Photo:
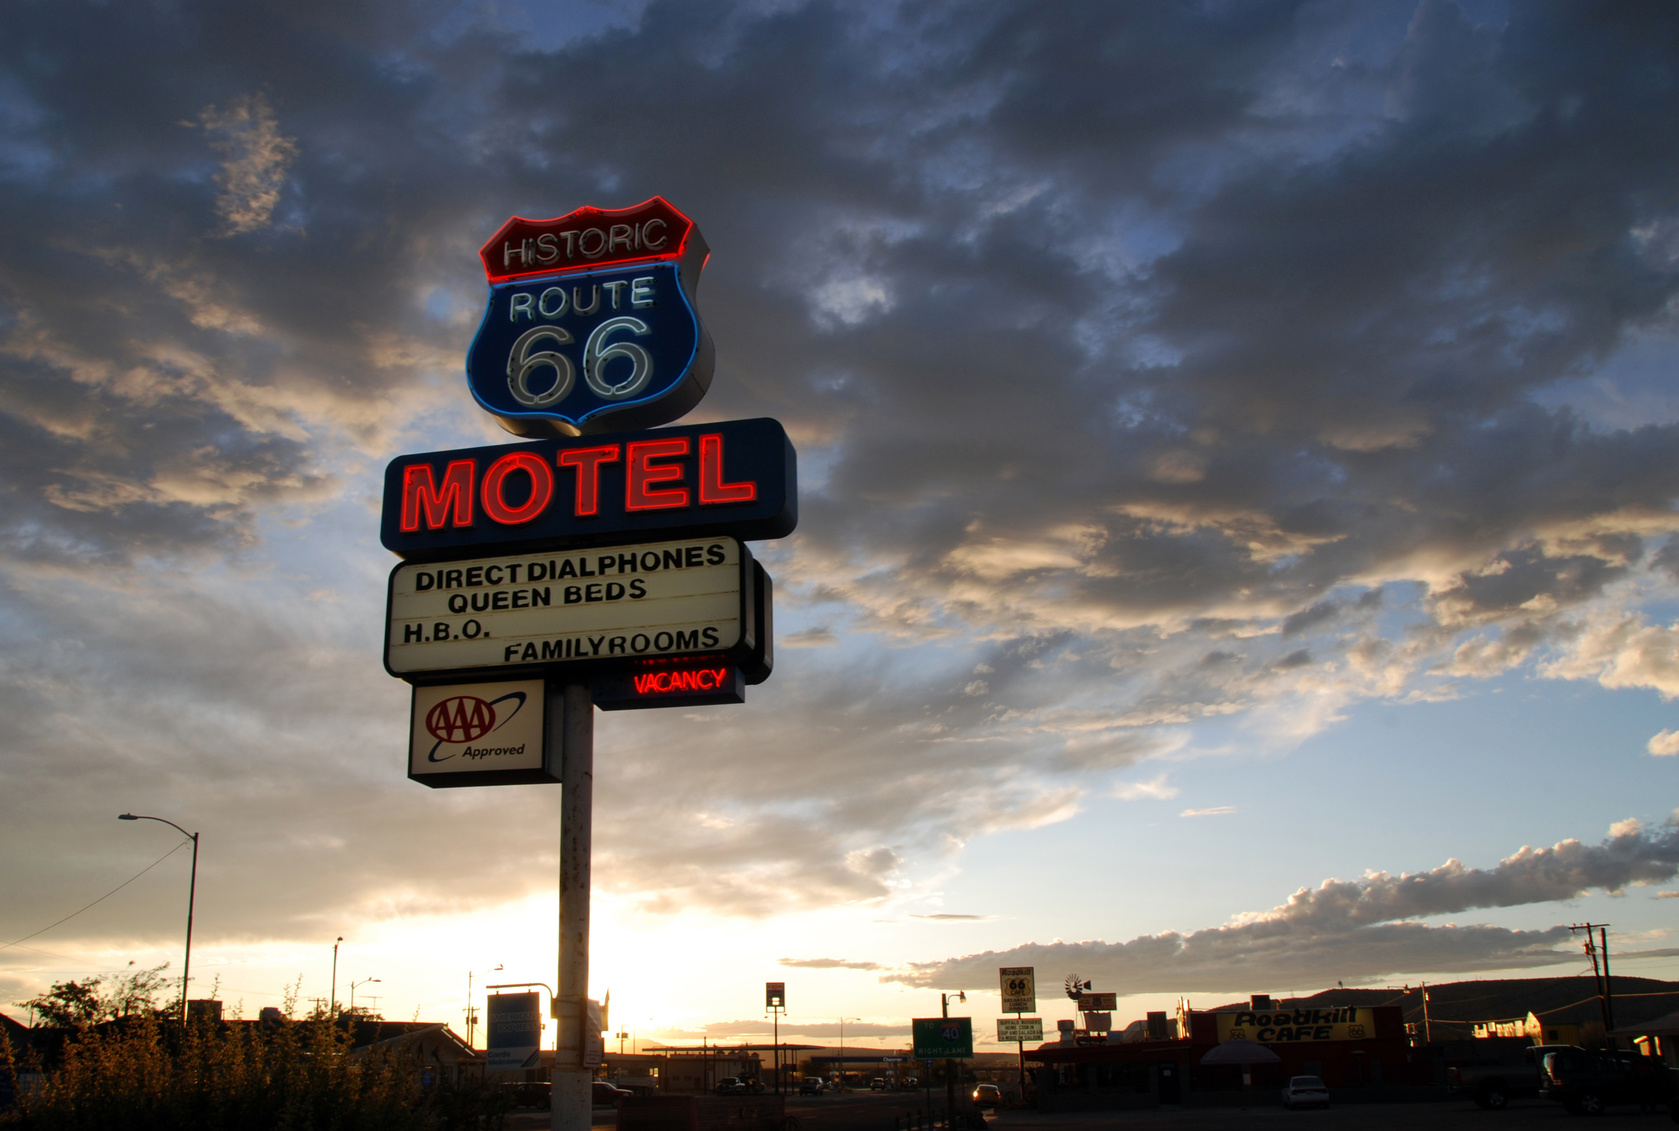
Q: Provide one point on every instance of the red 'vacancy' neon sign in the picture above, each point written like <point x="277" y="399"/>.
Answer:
<point x="666" y="682"/>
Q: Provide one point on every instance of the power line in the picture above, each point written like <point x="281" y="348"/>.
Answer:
<point x="101" y="899"/>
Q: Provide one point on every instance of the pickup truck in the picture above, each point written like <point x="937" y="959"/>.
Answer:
<point x="1492" y="1085"/>
<point x="1585" y="1083"/>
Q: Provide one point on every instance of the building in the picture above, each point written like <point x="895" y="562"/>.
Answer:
<point x="438" y="1053"/>
<point x="1532" y="1028"/>
<point x="1352" y="1048"/>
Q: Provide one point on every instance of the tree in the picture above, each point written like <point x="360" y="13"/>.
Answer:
<point x="72" y="1004"/>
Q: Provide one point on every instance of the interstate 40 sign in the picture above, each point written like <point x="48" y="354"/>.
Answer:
<point x="604" y="550"/>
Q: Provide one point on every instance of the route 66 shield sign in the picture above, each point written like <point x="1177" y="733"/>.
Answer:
<point x="591" y="324"/>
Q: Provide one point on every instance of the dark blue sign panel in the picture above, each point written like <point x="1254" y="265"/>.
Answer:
<point x="591" y="322"/>
<point x="622" y="344"/>
<point x="736" y="477"/>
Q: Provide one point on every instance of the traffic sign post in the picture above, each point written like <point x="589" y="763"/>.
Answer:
<point x="1020" y="995"/>
<point x="583" y="566"/>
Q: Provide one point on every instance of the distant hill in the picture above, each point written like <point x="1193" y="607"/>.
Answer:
<point x="1453" y="1007"/>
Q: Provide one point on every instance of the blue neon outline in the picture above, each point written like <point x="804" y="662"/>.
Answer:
<point x="682" y="374"/>
<point x="431" y="756"/>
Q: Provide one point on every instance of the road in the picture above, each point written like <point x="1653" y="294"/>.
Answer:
<point x="857" y="1111"/>
<point x="881" y="1111"/>
<point x="1453" y="1115"/>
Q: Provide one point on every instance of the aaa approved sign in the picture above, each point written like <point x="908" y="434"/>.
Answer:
<point x="480" y="734"/>
<point x="601" y="607"/>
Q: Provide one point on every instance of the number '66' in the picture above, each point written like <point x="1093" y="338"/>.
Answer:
<point x="525" y="359"/>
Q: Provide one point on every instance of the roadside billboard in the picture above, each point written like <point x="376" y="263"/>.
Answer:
<point x="513" y="1028"/>
<point x="1286" y="1026"/>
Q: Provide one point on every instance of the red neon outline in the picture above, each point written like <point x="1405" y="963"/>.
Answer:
<point x="587" y="461"/>
<point x="642" y="474"/>
<point x="421" y="492"/>
<point x="542" y="488"/>
<point x="713" y="490"/>
<point x="599" y="215"/>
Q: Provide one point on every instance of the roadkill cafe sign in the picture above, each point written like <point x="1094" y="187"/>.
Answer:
<point x="605" y="549"/>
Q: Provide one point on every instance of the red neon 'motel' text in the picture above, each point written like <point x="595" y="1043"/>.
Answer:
<point x="652" y="481"/>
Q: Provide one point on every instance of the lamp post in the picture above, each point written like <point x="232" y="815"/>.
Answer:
<point x="192" y="894"/>
<point x="470" y="1016"/>
<point x="334" y="1003"/>
<point x="950" y="1065"/>
<point x="843" y="1020"/>
<point x="353" y="986"/>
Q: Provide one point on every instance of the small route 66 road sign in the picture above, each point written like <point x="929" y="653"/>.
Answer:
<point x="591" y="324"/>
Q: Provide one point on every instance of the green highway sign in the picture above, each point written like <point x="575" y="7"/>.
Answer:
<point x="943" y="1038"/>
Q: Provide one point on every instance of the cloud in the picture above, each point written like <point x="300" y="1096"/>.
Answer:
<point x="1363" y="929"/>
<point x="255" y="157"/>
<point x="1215" y="811"/>
<point x="1663" y="744"/>
<point x="1118" y="362"/>
<point x="829" y="964"/>
<point x="1155" y="789"/>
<point x="951" y="917"/>
<point x="1622" y="651"/>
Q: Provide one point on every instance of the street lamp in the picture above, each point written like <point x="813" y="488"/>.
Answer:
<point x="470" y="1016"/>
<point x="353" y="986"/>
<point x="192" y="894"/>
<point x="335" y="977"/>
<point x="949" y="1064"/>
<point x="843" y="1020"/>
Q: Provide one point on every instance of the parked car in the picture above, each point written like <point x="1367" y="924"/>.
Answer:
<point x="528" y="1093"/>
<point x="878" y="1084"/>
<point x="1585" y="1083"/>
<point x="1492" y="1085"/>
<point x="812" y="1086"/>
<point x="988" y="1095"/>
<point x="738" y="1086"/>
<point x="603" y="1093"/>
<point x="1305" y="1091"/>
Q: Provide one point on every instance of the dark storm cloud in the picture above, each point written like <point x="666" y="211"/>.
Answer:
<point x="1361" y="929"/>
<point x="1115" y="338"/>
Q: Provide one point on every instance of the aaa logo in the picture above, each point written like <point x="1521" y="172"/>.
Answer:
<point x="591" y="324"/>
<point x="461" y="719"/>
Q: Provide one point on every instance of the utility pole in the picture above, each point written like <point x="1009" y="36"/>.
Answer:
<point x="571" y="722"/>
<point x="1602" y="987"/>
<point x="1608" y="988"/>
<point x="1427" y="1036"/>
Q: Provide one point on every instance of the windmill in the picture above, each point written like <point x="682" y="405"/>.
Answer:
<point x="1075" y="986"/>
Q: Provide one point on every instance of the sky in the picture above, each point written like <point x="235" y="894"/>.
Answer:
<point x="1238" y="447"/>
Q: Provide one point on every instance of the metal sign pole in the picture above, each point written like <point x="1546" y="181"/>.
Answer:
<point x="571" y="725"/>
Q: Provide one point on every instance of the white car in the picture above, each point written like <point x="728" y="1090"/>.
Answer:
<point x="1305" y="1091"/>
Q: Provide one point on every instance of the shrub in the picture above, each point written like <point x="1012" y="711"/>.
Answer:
<point x="140" y="1073"/>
